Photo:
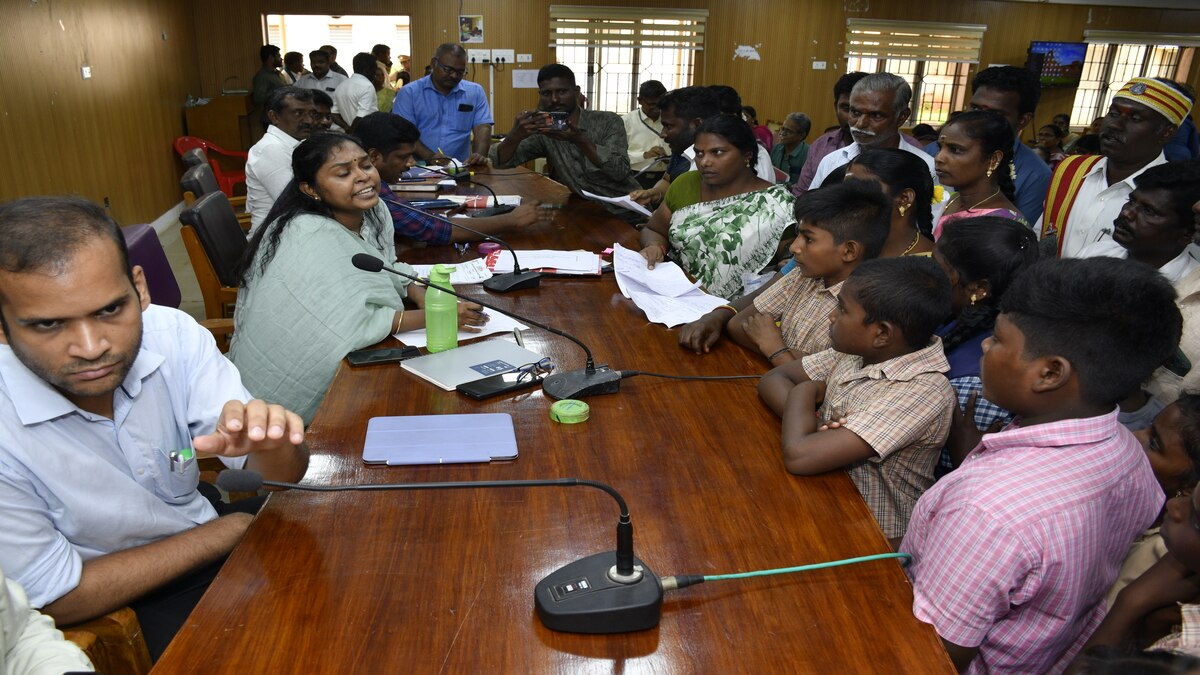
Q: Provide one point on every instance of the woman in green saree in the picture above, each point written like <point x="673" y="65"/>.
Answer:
<point x="720" y="222"/>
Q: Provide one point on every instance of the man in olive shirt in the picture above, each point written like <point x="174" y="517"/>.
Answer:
<point x="591" y="153"/>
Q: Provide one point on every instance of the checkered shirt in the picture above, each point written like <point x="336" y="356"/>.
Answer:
<point x="986" y="412"/>
<point x="802" y="307"/>
<point x="902" y="409"/>
<point x="1186" y="638"/>
<point x="413" y="226"/>
<point x="1014" y="550"/>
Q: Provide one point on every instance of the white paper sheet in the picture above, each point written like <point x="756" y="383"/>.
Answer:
<point x="666" y="278"/>
<point x="623" y="201"/>
<point x="524" y="79"/>
<point x="497" y="323"/>
<point x="469" y="272"/>
<point x="563" y="261"/>
<point x="663" y="293"/>
<point x="675" y="311"/>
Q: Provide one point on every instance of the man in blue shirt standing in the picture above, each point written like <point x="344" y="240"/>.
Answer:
<point x="1014" y="93"/>
<point x="453" y="116"/>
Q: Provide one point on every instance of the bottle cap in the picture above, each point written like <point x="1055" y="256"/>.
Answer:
<point x="486" y="247"/>
<point x="570" y="411"/>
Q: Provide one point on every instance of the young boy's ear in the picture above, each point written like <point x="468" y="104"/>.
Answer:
<point x="884" y="334"/>
<point x="852" y="251"/>
<point x="1053" y="372"/>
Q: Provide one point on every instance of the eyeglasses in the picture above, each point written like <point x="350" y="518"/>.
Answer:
<point x="535" y="371"/>
<point x="449" y="70"/>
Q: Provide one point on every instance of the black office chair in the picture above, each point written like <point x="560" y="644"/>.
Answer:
<point x="195" y="157"/>
<point x="216" y="227"/>
<point x="200" y="180"/>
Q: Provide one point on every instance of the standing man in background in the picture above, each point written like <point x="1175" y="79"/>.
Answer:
<point x="333" y="64"/>
<point x="293" y="67"/>
<point x="267" y="79"/>
<point x="643" y="130"/>
<point x="831" y="140"/>
<point x="356" y="97"/>
<point x="321" y="77"/>
<point x="453" y="116"/>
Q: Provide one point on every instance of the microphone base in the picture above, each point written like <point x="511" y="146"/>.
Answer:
<point x="582" y="598"/>
<point x="503" y="283"/>
<point x="581" y="383"/>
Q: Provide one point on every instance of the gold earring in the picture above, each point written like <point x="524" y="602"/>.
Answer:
<point x="974" y="298"/>
<point x="903" y="209"/>
<point x="990" y="171"/>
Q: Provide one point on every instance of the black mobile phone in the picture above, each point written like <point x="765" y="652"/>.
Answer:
<point x="496" y="385"/>
<point x="558" y="120"/>
<point x="367" y="357"/>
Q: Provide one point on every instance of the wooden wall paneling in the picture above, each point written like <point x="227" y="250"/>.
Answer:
<point x="793" y="34"/>
<point x="790" y="35"/>
<point x="109" y="136"/>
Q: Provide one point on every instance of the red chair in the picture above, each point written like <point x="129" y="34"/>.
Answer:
<point x="226" y="179"/>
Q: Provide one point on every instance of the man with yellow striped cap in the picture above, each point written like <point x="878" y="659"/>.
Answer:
<point x="1087" y="192"/>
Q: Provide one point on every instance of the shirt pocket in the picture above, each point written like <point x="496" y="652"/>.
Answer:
<point x="179" y="478"/>
<point x="462" y="121"/>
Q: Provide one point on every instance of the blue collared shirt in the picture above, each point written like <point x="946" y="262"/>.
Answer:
<point x="445" y="120"/>
<point x="75" y="486"/>
<point x="1033" y="179"/>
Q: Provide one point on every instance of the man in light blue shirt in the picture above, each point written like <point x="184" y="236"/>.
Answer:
<point x="104" y="401"/>
<point x="1014" y="93"/>
<point x="452" y="115"/>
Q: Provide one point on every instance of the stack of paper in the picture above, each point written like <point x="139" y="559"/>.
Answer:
<point x="574" y="263"/>
<point x="469" y="272"/>
<point x="664" y="293"/>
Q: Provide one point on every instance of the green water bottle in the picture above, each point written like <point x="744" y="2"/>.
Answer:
<point x="441" y="312"/>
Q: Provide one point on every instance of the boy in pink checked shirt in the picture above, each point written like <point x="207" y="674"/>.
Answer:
<point x="1013" y="552"/>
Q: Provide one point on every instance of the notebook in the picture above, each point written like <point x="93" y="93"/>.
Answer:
<point x="440" y="439"/>
<point x="471" y="362"/>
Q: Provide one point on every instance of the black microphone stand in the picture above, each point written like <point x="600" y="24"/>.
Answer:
<point x="593" y="380"/>
<point x="515" y="280"/>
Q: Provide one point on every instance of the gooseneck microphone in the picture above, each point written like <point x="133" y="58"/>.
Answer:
<point x="466" y="176"/>
<point x="592" y="380"/>
<point x="611" y="592"/>
<point x="501" y="283"/>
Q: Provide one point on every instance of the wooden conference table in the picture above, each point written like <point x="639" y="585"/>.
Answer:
<point x="442" y="581"/>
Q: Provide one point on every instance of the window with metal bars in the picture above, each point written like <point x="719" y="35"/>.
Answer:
<point x="610" y="76"/>
<point x="613" y="50"/>
<point x="939" y="87"/>
<point x="1107" y="67"/>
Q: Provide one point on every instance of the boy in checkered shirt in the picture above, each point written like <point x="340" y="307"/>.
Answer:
<point x="1013" y="551"/>
<point x="884" y="401"/>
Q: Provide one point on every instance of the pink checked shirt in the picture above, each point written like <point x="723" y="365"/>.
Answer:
<point x="1013" y="551"/>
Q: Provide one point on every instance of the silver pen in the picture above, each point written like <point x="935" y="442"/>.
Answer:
<point x="517" y="337"/>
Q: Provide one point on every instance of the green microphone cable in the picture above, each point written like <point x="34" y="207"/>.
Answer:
<point x="685" y="580"/>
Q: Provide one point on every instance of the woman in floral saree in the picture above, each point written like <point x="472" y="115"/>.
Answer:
<point x="721" y="222"/>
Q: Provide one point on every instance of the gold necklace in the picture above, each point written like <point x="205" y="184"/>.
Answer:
<point x="913" y="245"/>
<point x="958" y="195"/>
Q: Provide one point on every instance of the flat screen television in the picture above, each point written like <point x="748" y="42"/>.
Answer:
<point x="1057" y="64"/>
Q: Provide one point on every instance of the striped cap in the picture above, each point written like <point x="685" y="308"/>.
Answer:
<point x="1170" y="102"/>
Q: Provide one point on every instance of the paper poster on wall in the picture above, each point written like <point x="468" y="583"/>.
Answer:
<point x="470" y="28"/>
<point x="524" y="79"/>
